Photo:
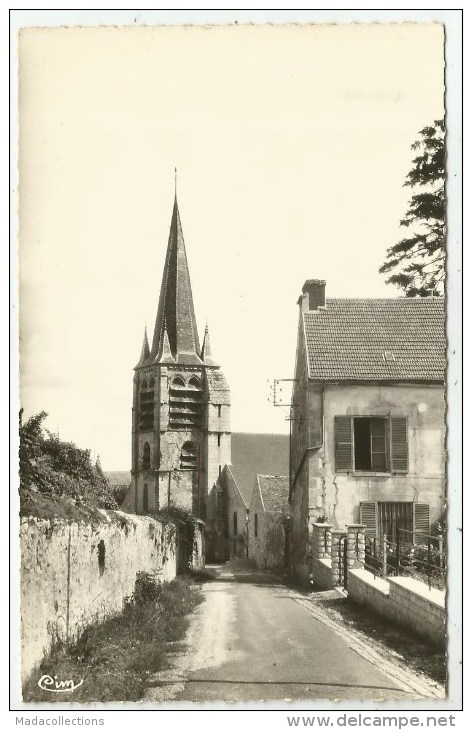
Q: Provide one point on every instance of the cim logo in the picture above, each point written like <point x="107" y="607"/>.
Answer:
<point x="52" y="684"/>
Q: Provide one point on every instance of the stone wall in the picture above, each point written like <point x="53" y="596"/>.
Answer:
<point x="76" y="573"/>
<point x="404" y="600"/>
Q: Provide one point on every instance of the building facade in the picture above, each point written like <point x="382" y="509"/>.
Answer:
<point x="368" y="410"/>
<point x="181" y="436"/>
<point x="269" y="522"/>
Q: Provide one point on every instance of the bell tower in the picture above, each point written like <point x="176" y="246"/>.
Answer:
<point x="181" y="436"/>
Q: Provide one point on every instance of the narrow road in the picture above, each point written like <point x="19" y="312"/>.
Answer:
<point x="251" y="640"/>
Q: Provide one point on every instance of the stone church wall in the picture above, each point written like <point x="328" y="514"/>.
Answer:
<point x="76" y="573"/>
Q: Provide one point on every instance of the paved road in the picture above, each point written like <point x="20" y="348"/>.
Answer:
<point x="251" y="640"/>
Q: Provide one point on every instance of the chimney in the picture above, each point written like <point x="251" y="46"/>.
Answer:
<point x="313" y="296"/>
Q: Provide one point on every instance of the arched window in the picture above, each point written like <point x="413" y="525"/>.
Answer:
<point x="146" y="456"/>
<point x="145" y="498"/>
<point x="188" y="456"/>
<point x="151" y="382"/>
<point x="235" y="523"/>
<point x="194" y="383"/>
<point x="144" y="385"/>
<point x="178" y="382"/>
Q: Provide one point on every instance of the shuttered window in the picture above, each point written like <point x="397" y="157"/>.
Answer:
<point x="375" y="444"/>
<point x="368" y="517"/>
<point x="399" y="445"/>
<point x="421" y="518"/>
<point x="343" y="443"/>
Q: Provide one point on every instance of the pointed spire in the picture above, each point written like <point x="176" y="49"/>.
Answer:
<point x="166" y="355"/>
<point x="145" y="352"/>
<point x="175" y="313"/>
<point x="206" y="354"/>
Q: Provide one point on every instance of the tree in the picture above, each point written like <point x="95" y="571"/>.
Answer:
<point x="417" y="262"/>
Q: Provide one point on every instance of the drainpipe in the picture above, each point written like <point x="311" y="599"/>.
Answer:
<point x="308" y="450"/>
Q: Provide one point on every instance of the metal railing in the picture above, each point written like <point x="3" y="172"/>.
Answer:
<point x="415" y="554"/>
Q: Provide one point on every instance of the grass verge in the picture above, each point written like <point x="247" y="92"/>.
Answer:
<point x="115" y="658"/>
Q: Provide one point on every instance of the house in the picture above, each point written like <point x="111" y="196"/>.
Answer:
<point x="368" y="417"/>
<point x="268" y="529"/>
<point x="252" y="453"/>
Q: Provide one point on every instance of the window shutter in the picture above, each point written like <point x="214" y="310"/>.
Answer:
<point x="343" y="443"/>
<point x="368" y="517"/>
<point x="421" y="518"/>
<point x="399" y="450"/>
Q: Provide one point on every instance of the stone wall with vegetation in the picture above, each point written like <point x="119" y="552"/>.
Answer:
<point x="74" y="573"/>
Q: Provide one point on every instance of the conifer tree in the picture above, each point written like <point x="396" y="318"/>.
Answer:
<point x="417" y="261"/>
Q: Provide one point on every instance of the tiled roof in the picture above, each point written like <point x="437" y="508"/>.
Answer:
<point x="349" y="339"/>
<point x="253" y="453"/>
<point x="274" y="491"/>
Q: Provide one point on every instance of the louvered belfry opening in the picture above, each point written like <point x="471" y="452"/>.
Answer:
<point x="146" y="406"/>
<point x="185" y="403"/>
<point x="188" y="456"/>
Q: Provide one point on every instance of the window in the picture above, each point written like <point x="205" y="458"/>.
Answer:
<point x="219" y="411"/>
<point x="235" y="523"/>
<point x="146" y="406"/>
<point x="145" y="498"/>
<point x="219" y="439"/>
<point x="391" y="518"/>
<point x="146" y="456"/>
<point x="185" y="404"/>
<point x="255" y="525"/>
<point x="371" y="444"/>
<point x="219" y="470"/>
<point x="188" y="456"/>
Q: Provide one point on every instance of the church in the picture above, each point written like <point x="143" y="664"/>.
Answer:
<point x="181" y="437"/>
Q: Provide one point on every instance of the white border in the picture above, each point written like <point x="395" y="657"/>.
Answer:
<point x="452" y="21"/>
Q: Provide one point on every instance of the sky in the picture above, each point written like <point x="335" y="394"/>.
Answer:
<point x="292" y="144"/>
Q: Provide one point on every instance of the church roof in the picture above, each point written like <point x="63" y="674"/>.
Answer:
<point x="257" y="453"/>
<point x="175" y="313"/>
<point x="206" y="354"/>
<point x="377" y="340"/>
<point x="144" y="357"/>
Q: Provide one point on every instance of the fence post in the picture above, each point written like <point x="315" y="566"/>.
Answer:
<point x="384" y="555"/>
<point x="429" y="563"/>
<point x="355" y="546"/>
<point x="397" y="557"/>
<point x="321" y="540"/>
<point x="336" y="548"/>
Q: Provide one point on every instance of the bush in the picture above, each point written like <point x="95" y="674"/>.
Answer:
<point x="58" y="468"/>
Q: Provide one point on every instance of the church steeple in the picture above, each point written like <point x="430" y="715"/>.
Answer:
<point x="145" y="352"/>
<point x="175" y="312"/>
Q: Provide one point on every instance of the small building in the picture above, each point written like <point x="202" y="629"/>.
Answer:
<point x="252" y="453"/>
<point x="368" y="417"/>
<point x="269" y="515"/>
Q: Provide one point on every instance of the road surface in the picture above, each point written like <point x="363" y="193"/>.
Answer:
<point x="253" y="639"/>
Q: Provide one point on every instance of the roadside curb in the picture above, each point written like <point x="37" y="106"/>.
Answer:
<point x="403" y="677"/>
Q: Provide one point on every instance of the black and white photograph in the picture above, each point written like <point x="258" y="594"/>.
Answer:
<point x="238" y="316"/>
